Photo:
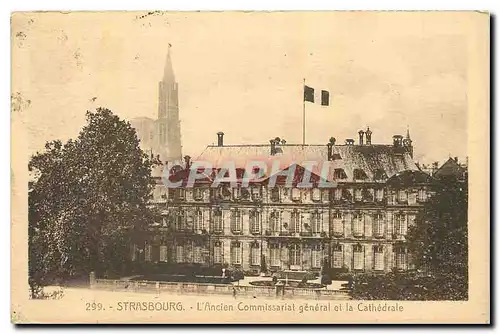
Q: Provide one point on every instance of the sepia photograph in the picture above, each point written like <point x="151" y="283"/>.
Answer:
<point x="250" y="167"/>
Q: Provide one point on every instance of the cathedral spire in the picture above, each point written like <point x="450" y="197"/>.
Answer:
<point x="168" y="73"/>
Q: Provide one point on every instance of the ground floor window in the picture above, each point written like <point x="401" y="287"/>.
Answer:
<point x="378" y="258"/>
<point x="197" y="258"/>
<point x="317" y="254"/>
<point x="163" y="253"/>
<point x="179" y="254"/>
<point x="218" y="252"/>
<point x="275" y="255"/>
<point x="358" y="257"/>
<point x="401" y="258"/>
<point x="338" y="256"/>
<point x="147" y="253"/>
<point x="236" y="253"/>
<point x="255" y="254"/>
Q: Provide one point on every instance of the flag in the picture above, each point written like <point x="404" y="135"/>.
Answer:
<point x="308" y="94"/>
<point x="325" y="98"/>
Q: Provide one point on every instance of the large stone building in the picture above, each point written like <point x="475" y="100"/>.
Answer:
<point x="162" y="137"/>
<point x="359" y="224"/>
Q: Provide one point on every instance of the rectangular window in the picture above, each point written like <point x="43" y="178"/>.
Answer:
<point x="255" y="254"/>
<point x="317" y="254"/>
<point x="338" y="256"/>
<point x="337" y="194"/>
<point x="197" y="254"/>
<point x="401" y="225"/>
<point x="255" y="192"/>
<point x="295" y="194"/>
<point x="179" y="254"/>
<point x="236" y="253"/>
<point x="378" y="257"/>
<point x="412" y="198"/>
<point x="401" y="258"/>
<point x="295" y="255"/>
<point x="133" y="252"/>
<point x="274" y="221"/>
<point x="236" y="221"/>
<point x="402" y="196"/>
<point x="218" y="224"/>
<point x="218" y="252"/>
<point x="295" y="222"/>
<point x="316" y="222"/>
<point x="147" y="253"/>
<point x="316" y="194"/>
<point x="163" y="253"/>
<point x="275" y="194"/>
<point x="358" y="226"/>
<point x="338" y="224"/>
<point x="358" y="194"/>
<point x="198" y="194"/>
<point x="255" y="222"/>
<point x="378" y="225"/>
<point x="422" y="195"/>
<point x="274" y="255"/>
<point x="358" y="258"/>
<point x="379" y="195"/>
<point x="198" y="220"/>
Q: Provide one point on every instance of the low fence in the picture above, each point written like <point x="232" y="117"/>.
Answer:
<point x="225" y="289"/>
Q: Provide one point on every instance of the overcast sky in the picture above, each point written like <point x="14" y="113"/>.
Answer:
<point x="242" y="73"/>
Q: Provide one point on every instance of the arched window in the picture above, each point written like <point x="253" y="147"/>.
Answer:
<point x="316" y="194"/>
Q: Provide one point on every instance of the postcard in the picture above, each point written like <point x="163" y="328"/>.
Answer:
<point x="250" y="167"/>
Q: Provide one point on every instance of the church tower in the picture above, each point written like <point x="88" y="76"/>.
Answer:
<point x="168" y="124"/>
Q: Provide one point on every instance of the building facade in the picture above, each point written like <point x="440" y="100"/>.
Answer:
<point x="359" y="224"/>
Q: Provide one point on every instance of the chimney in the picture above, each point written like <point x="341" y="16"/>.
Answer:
<point x="456" y="159"/>
<point x="220" y="138"/>
<point x="349" y="141"/>
<point x="329" y="146"/>
<point x="397" y="140"/>
<point x="368" y="134"/>
<point x="361" y="136"/>
<point x="187" y="160"/>
<point x="273" y="146"/>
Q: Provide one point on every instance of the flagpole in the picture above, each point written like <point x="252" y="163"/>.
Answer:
<point x="303" y="113"/>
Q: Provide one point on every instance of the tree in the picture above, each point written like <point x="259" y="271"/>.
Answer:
<point x="438" y="240"/>
<point x="89" y="202"/>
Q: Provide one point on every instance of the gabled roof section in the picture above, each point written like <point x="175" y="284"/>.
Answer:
<point x="450" y="168"/>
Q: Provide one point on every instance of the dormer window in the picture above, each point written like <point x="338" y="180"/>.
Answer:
<point x="295" y="194"/>
<point x="380" y="175"/>
<point x="359" y="174"/>
<point x="339" y="173"/>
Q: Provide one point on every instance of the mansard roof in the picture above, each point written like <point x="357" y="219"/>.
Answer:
<point x="371" y="159"/>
